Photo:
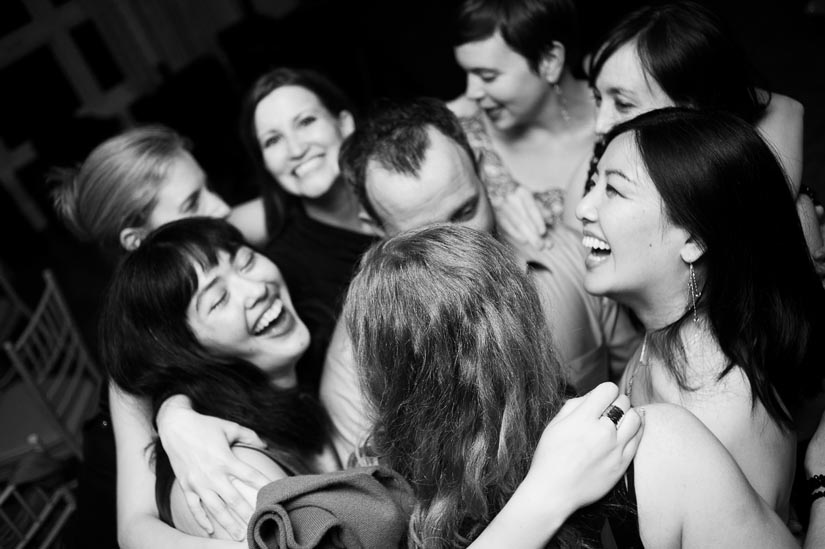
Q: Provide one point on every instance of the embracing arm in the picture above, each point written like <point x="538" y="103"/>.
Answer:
<point x="137" y="514"/>
<point x="781" y="126"/>
<point x="580" y="457"/>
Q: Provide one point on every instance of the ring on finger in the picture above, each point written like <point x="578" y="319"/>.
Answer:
<point x="614" y="414"/>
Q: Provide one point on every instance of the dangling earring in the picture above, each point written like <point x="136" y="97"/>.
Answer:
<point x="693" y="288"/>
<point x="562" y="102"/>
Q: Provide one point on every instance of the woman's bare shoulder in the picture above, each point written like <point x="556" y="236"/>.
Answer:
<point x="690" y="492"/>
<point x="462" y="106"/>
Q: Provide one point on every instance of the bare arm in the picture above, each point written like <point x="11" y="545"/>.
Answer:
<point x="815" y="465"/>
<point x="580" y="457"/>
<point x="250" y="219"/>
<point x="137" y="514"/>
<point x="781" y="126"/>
<point x="340" y="393"/>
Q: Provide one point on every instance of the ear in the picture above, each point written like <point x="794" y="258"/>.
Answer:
<point x="131" y="237"/>
<point x="551" y="65"/>
<point x="692" y="251"/>
<point x="346" y="123"/>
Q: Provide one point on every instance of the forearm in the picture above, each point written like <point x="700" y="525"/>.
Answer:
<point x="815" y="537"/>
<point x="149" y="532"/>
<point x="530" y="519"/>
<point x="810" y="224"/>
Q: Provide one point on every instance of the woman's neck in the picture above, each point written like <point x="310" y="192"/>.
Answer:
<point x="568" y="110"/>
<point x="284" y="377"/>
<point x="338" y="207"/>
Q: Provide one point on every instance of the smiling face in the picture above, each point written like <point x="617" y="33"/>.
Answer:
<point x="446" y="190"/>
<point x="624" y="90"/>
<point x="300" y="139"/>
<point x="183" y="193"/>
<point x="242" y="309"/>
<point x="501" y="82"/>
<point x="634" y="250"/>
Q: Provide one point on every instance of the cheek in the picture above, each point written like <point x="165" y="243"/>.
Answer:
<point x="274" y="160"/>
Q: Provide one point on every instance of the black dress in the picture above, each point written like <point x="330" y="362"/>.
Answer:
<point x="318" y="262"/>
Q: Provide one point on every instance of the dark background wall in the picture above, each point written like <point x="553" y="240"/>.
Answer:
<point x="73" y="72"/>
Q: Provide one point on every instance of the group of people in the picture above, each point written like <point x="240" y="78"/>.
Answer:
<point x="552" y="305"/>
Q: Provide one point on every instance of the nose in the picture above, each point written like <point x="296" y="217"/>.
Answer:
<point x="586" y="208"/>
<point x="214" y="206"/>
<point x="605" y="119"/>
<point x="254" y="291"/>
<point x="475" y="87"/>
<point x="296" y="146"/>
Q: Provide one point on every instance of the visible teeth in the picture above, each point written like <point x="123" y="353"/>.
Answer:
<point x="594" y="243"/>
<point x="305" y="166"/>
<point x="269" y="316"/>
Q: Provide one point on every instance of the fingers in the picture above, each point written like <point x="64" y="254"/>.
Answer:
<point x="636" y="426"/>
<point x="629" y="427"/>
<point x="520" y="216"/>
<point x="247" y="474"/>
<point x="195" y="507"/>
<point x="526" y="205"/>
<point x="249" y="437"/>
<point x="597" y="400"/>
<point x="222" y="514"/>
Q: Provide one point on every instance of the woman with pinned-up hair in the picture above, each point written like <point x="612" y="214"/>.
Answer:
<point x="133" y="183"/>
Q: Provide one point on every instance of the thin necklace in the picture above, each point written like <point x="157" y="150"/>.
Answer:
<point x="629" y="391"/>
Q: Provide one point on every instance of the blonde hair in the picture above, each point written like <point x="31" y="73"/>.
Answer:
<point x="116" y="186"/>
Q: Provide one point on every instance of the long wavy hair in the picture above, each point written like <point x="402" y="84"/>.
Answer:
<point x="150" y="350"/>
<point x="457" y="363"/>
<point x="722" y="183"/>
<point x="331" y="97"/>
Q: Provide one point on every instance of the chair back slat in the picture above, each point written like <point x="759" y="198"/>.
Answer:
<point x="55" y="365"/>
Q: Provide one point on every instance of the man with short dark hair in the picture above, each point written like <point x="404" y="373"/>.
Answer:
<point x="411" y="166"/>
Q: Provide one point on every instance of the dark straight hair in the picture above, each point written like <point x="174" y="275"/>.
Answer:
<point x="722" y="183"/>
<point x="332" y="98"/>
<point x="529" y="27"/>
<point x="691" y="54"/>
<point x="150" y="351"/>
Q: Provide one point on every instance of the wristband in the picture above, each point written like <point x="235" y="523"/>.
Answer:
<point x="815" y="483"/>
<point x="816" y="495"/>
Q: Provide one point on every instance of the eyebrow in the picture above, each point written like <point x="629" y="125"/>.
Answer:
<point x="618" y="173"/>
<point x="304" y="112"/>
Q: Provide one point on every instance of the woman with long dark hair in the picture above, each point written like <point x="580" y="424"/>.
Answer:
<point x="674" y="222"/>
<point x="682" y="54"/>
<point x="194" y="311"/>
